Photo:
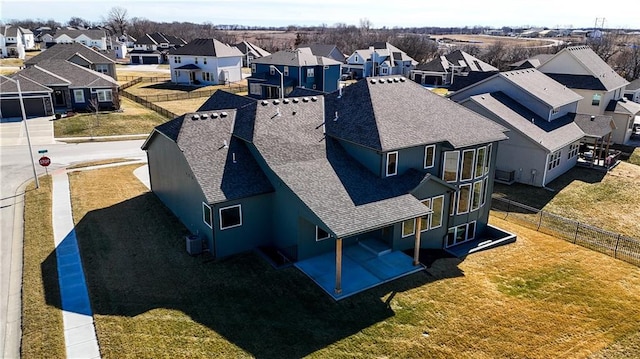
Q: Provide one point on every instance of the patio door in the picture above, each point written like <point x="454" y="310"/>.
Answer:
<point x="192" y="77"/>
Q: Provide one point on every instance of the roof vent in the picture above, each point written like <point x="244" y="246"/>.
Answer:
<point x="389" y="80"/>
<point x="265" y="102"/>
<point x="593" y="117"/>
<point x="395" y="79"/>
<point x="214" y="115"/>
<point x="204" y="116"/>
<point x="381" y="81"/>
<point x="373" y="81"/>
<point x="276" y="102"/>
<point x="225" y="144"/>
<point x="223" y="114"/>
<point x="286" y="100"/>
<point x="314" y="99"/>
<point x="195" y="117"/>
<point x="295" y="100"/>
<point x="402" y="79"/>
<point x="533" y="120"/>
<point x="335" y="118"/>
<point x="305" y="99"/>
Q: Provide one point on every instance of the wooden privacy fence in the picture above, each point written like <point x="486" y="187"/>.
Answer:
<point x="149" y="105"/>
<point x="613" y="244"/>
<point x="144" y="78"/>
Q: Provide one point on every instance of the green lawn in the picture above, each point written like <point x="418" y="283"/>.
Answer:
<point x="537" y="298"/>
<point x="134" y="119"/>
<point x="635" y="157"/>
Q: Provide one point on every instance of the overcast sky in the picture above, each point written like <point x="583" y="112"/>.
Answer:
<point x="389" y="13"/>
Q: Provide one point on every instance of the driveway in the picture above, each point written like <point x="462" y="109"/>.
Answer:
<point x="150" y="68"/>
<point x="14" y="133"/>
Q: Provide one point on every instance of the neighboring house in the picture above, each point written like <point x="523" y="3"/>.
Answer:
<point x="94" y="38"/>
<point x="117" y="47"/>
<point x="530" y="63"/>
<point x="602" y="89"/>
<point x="36" y="97"/>
<point x="154" y="48"/>
<point x="250" y="52"/>
<point x="290" y="69"/>
<point x="12" y="41"/>
<point x="28" y="39"/>
<point x="128" y="40"/>
<point x="100" y="61"/>
<point x="455" y="66"/>
<point x="380" y="59"/>
<point x="43" y="36"/>
<point x="205" y="61"/>
<point x="324" y="50"/>
<point x="545" y="131"/>
<point x="632" y="91"/>
<point x="348" y="180"/>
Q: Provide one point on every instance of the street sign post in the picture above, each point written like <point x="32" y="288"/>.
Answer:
<point x="45" y="162"/>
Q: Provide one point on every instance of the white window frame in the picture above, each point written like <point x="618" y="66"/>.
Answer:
<point x="310" y="72"/>
<point x="272" y="70"/>
<point x="596" y="99"/>
<point x="77" y="94"/>
<point x="478" y="168"/>
<point x="413" y="232"/>
<point x="485" y="190"/>
<point x="453" y="203"/>
<point x="204" y="218"/>
<point x="471" y="236"/>
<point x="253" y="68"/>
<point x="468" y="204"/>
<point x="426" y="157"/>
<point x="554" y="160"/>
<point x="103" y="93"/>
<point x="386" y="167"/>
<point x="285" y="71"/>
<point x="431" y="226"/>
<point x="472" y="165"/>
<point x="487" y="161"/>
<point x="573" y="150"/>
<point x="427" y="218"/>
<point x="318" y="238"/>
<point x="255" y="89"/>
<point x="475" y="206"/>
<point x="444" y="165"/>
<point x="239" y="206"/>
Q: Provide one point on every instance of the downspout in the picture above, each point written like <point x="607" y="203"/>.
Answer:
<point x="544" y="174"/>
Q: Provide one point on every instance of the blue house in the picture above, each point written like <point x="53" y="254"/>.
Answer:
<point x="289" y="69"/>
<point x="348" y="186"/>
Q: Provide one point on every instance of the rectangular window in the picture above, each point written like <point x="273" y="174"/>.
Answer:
<point x="595" y="100"/>
<point x="487" y="162"/>
<point x="476" y="198"/>
<point x="480" y="162"/>
<point x="467" y="165"/>
<point x="485" y="186"/>
<point x="451" y="236"/>
<point x="424" y="220"/>
<point x="255" y="89"/>
<point x="573" y="150"/>
<point x="206" y="215"/>
<point x="429" y="154"/>
<point x="450" y="171"/>
<point x="392" y="164"/>
<point x="463" y="198"/>
<point x="196" y="60"/>
<point x="253" y="68"/>
<point x="452" y="203"/>
<point x="554" y="160"/>
<point x="408" y="227"/>
<point x="78" y="95"/>
<point x="321" y="234"/>
<point x="471" y="230"/>
<point x="102" y="68"/>
<point x="461" y="233"/>
<point x="104" y="95"/>
<point x="272" y="70"/>
<point x="285" y="71"/>
<point x="204" y="61"/>
<point x="230" y="217"/>
<point x="310" y="72"/>
<point x="437" y="205"/>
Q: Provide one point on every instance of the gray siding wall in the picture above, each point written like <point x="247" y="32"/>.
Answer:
<point x="366" y="156"/>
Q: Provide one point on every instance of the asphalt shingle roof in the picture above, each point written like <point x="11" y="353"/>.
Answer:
<point x="252" y="49"/>
<point x="66" y="51"/>
<point x="623" y="106"/>
<point x="541" y="86"/>
<point x="76" y="75"/>
<point x="395" y="113"/>
<point x="92" y="34"/>
<point x="44" y="77"/>
<point x="633" y="85"/>
<point x="295" y="58"/>
<point x="552" y="135"/>
<point x="207" y="47"/>
<point x="595" y="126"/>
<point x="27" y="85"/>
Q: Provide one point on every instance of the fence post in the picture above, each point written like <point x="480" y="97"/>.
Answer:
<point x="575" y="238"/>
<point x="540" y="221"/>
<point x="615" y="251"/>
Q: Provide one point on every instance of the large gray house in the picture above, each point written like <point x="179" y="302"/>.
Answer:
<point x="348" y="186"/>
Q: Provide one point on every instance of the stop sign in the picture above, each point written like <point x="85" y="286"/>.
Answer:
<point x="44" y="161"/>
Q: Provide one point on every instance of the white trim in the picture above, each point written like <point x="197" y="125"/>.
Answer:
<point x="226" y="208"/>
<point x="75" y="95"/>
<point x="462" y="165"/>
<point x="413" y="232"/>
<point x="204" y="219"/>
<point x="468" y="198"/>
<point x="444" y="165"/>
<point x="386" y="167"/>
<point x="318" y="239"/>
<point x="487" y="166"/>
<point x="478" y="174"/>
<point x="433" y="156"/>
<point x="473" y="196"/>
<point x="441" y="212"/>
<point x="473" y="236"/>
<point x="428" y="226"/>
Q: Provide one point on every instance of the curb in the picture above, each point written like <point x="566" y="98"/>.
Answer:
<point x="99" y="138"/>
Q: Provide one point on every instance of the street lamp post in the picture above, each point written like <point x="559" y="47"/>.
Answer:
<point x="281" y="81"/>
<point x="26" y="129"/>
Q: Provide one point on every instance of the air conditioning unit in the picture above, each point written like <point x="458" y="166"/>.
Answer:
<point x="194" y="244"/>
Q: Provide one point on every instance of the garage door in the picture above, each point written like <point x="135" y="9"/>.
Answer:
<point x="417" y="78"/>
<point x="149" y="60"/>
<point x="34" y="107"/>
<point x="135" y="59"/>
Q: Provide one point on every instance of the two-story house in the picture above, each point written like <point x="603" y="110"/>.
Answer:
<point x="348" y="186"/>
<point x="154" y="48"/>
<point x="546" y="128"/>
<point x="582" y="70"/>
<point x="380" y="59"/>
<point x="250" y="52"/>
<point x="15" y="41"/>
<point x="455" y="68"/>
<point x="100" y="61"/>
<point x="285" y="70"/>
<point x="205" y="61"/>
<point x="94" y="38"/>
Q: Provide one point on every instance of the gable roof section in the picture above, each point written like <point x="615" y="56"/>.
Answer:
<point x="551" y="136"/>
<point x="66" y="51"/>
<point x="633" y="85"/>
<point x="391" y="113"/>
<point x="532" y="62"/>
<point x="44" y="77"/>
<point x="604" y="77"/>
<point x="623" y="106"/>
<point x="146" y="40"/>
<point x="323" y="50"/>
<point x="76" y="75"/>
<point x="247" y="47"/>
<point x="461" y="58"/>
<point x="207" y="47"/>
<point x="295" y="58"/>
<point x="27" y="85"/>
<point x="541" y="86"/>
<point x="595" y="126"/>
<point x="93" y="34"/>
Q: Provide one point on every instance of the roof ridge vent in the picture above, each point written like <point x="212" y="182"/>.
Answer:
<point x="381" y="81"/>
<point x="314" y="99"/>
<point x="276" y="102"/>
<point x="286" y="100"/>
<point x="373" y="81"/>
<point x="305" y="99"/>
<point x="214" y="115"/>
<point x="195" y="116"/>
<point x="295" y="100"/>
<point x="204" y="116"/>
<point x="402" y="79"/>
<point x="223" y="114"/>
<point x="265" y="102"/>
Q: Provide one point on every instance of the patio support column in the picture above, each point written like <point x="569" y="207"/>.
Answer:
<point x="416" y="250"/>
<point x="595" y="149"/>
<point x="338" y="289"/>
<point x="600" y="150"/>
<point x="608" y="143"/>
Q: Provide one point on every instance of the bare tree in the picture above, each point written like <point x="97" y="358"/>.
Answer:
<point x="117" y="20"/>
<point x="78" y="22"/>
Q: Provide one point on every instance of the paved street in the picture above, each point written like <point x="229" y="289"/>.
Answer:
<point x="16" y="171"/>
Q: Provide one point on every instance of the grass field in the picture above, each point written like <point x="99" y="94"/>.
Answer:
<point x="183" y="106"/>
<point x="537" y="298"/>
<point x="134" y="119"/>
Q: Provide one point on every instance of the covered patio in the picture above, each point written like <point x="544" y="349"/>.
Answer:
<point x="362" y="267"/>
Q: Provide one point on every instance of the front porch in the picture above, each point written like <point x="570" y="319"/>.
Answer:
<point x="364" y="265"/>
